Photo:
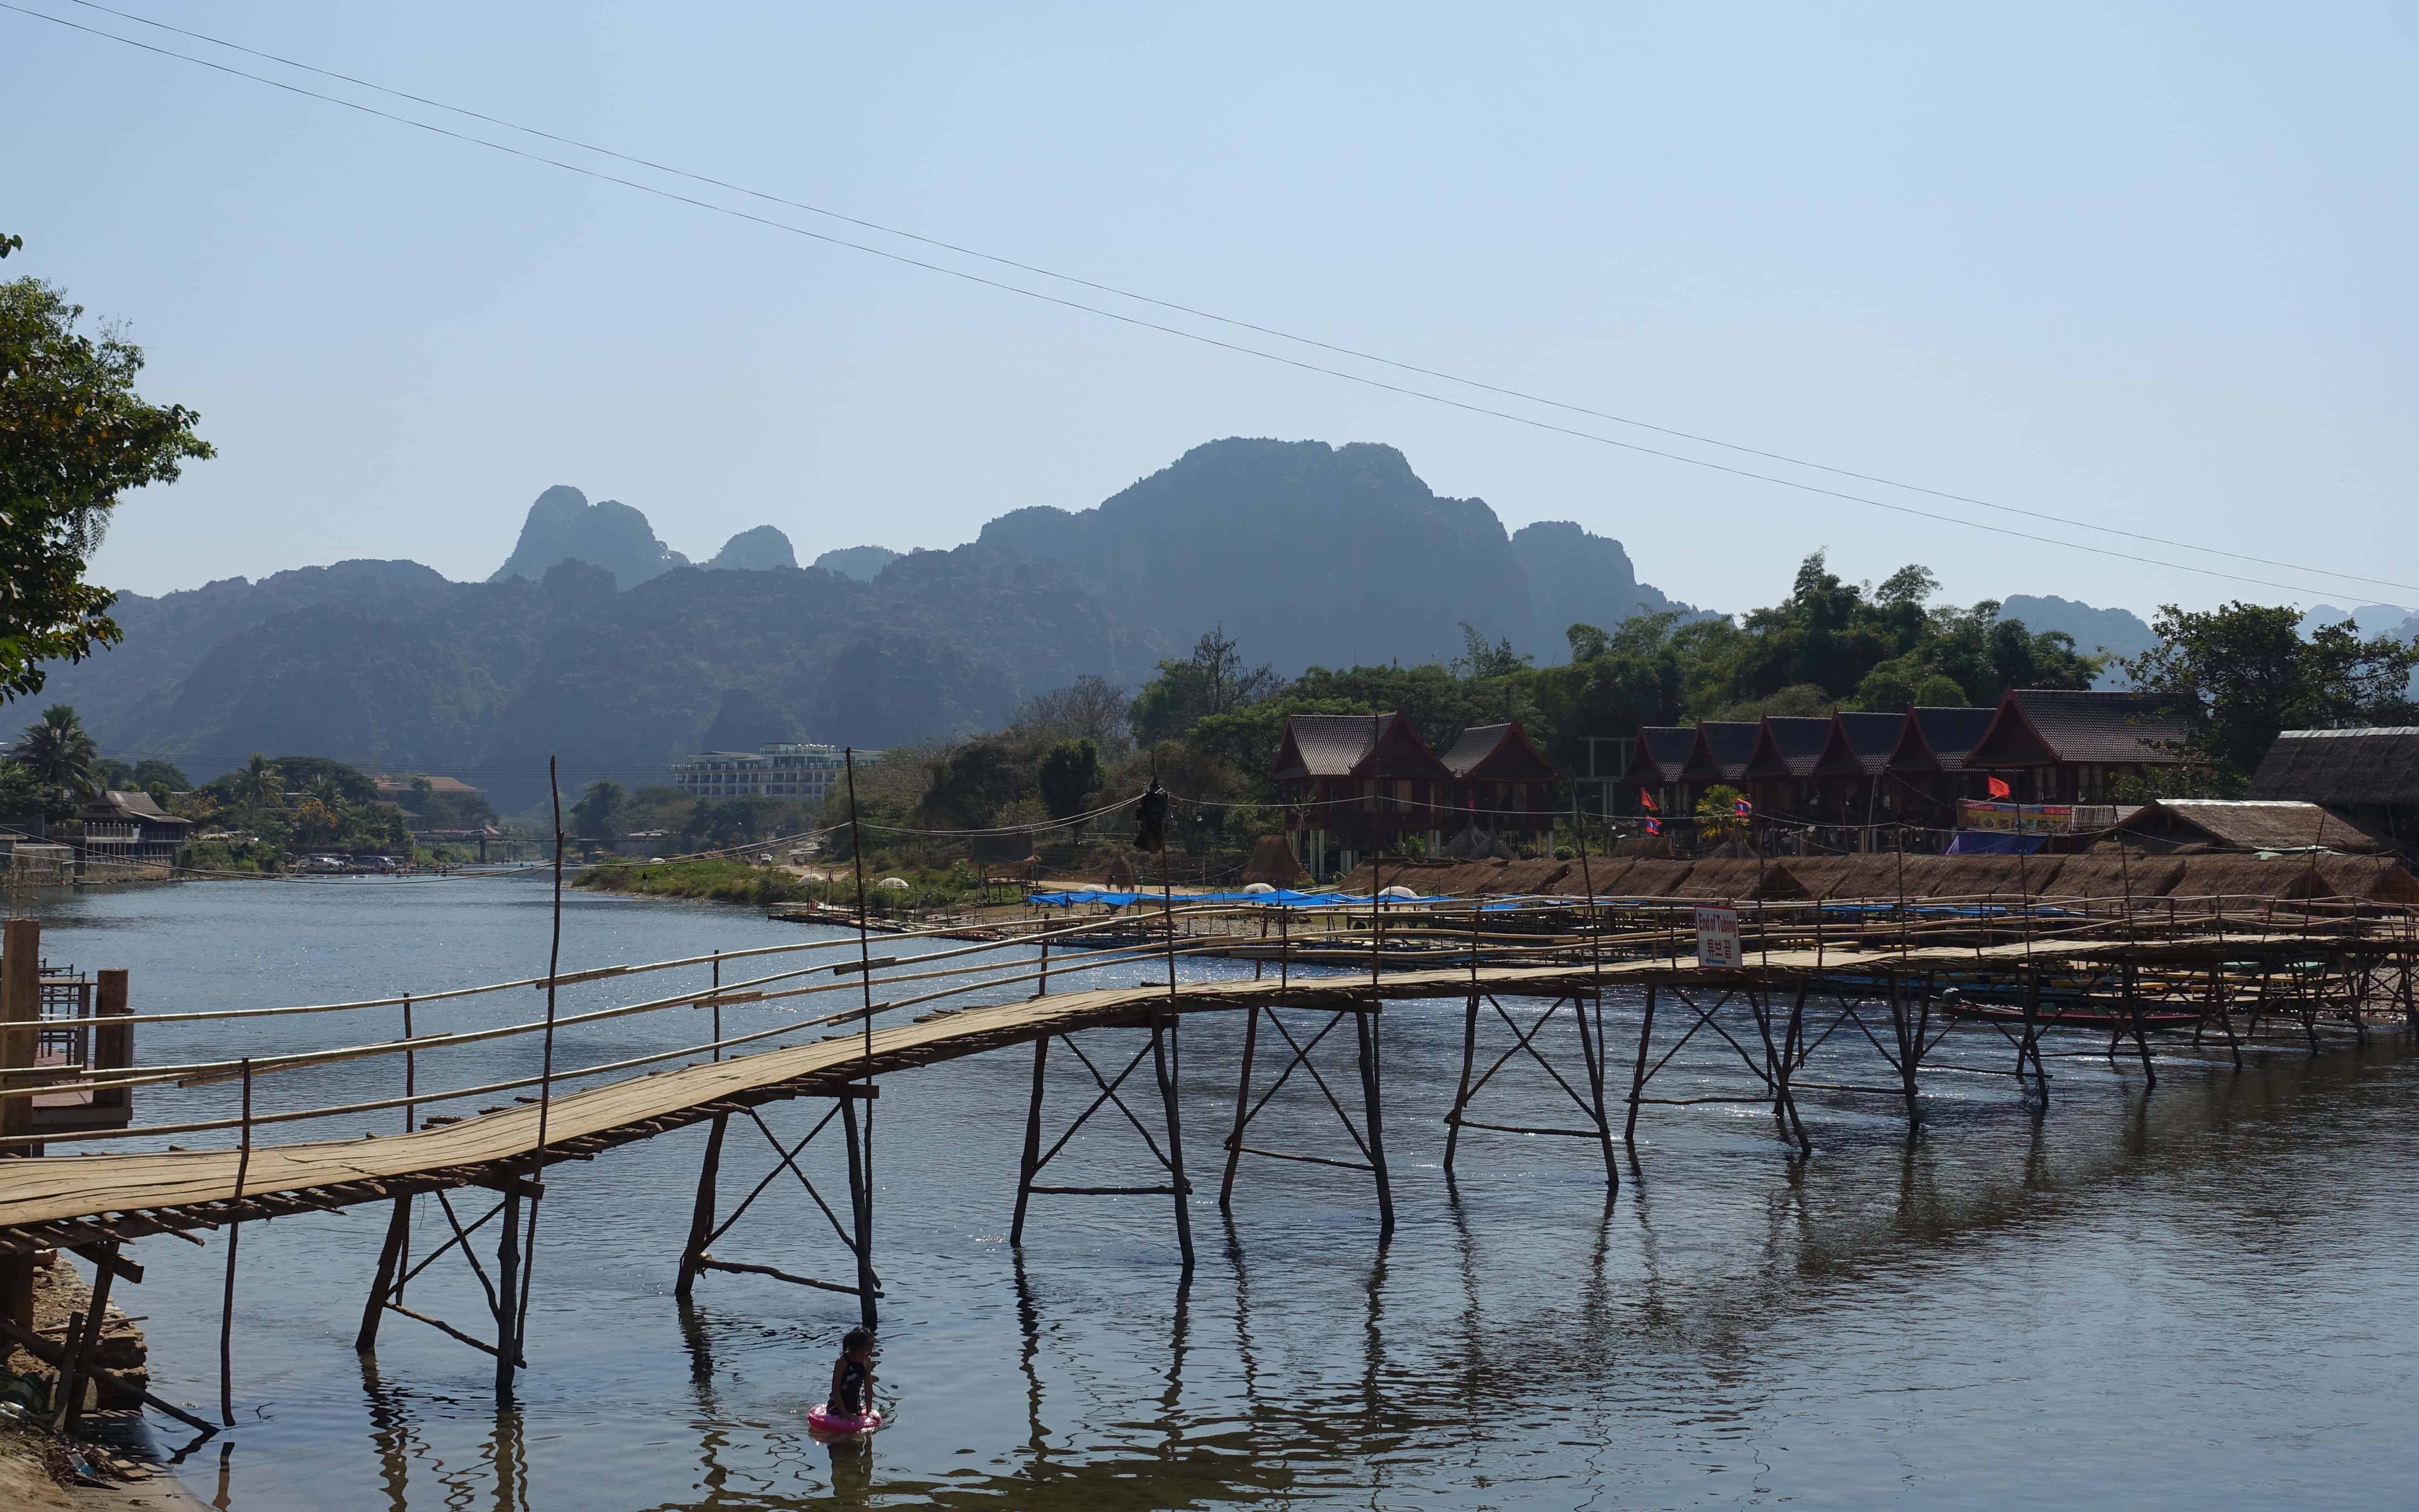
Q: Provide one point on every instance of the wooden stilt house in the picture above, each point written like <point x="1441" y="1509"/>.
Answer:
<point x="1354" y="783"/>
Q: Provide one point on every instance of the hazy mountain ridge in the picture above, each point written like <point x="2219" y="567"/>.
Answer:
<point x="1308" y="554"/>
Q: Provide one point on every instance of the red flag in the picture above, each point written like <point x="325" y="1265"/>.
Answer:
<point x="1999" y="788"/>
<point x="1648" y="799"/>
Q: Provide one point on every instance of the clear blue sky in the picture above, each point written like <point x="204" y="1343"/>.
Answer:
<point x="2146" y="265"/>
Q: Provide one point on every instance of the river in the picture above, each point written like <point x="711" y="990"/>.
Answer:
<point x="2198" y="1298"/>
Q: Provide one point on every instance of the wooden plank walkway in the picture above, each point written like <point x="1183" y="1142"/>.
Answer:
<point x="87" y="1198"/>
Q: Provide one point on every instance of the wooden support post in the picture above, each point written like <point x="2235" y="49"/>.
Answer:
<point x="1159" y="1032"/>
<point x="1637" y="1074"/>
<point x="1461" y="1096"/>
<point x="68" y="1399"/>
<point x="1031" y="1164"/>
<point x="390" y="1265"/>
<point x="2141" y="1034"/>
<point x="1243" y="1106"/>
<point x="234" y="1233"/>
<point x="1900" y="1028"/>
<point x="1791" y="1053"/>
<point x="1366" y="1026"/>
<point x="2030" y="1045"/>
<point x="860" y="1195"/>
<point x="700" y="1218"/>
<point x="1592" y="1051"/>
<point x="112" y="1044"/>
<point x="508" y="1264"/>
<point x="21" y="1002"/>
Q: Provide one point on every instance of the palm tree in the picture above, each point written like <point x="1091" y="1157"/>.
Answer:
<point x="259" y="782"/>
<point x="59" y="753"/>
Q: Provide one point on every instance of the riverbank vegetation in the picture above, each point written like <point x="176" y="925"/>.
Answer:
<point x="722" y="879"/>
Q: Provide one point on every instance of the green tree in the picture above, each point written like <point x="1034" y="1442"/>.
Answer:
<point x="2240" y="673"/>
<point x="58" y="753"/>
<point x="1068" y="775"/>
<point x="73" y="437"/>
<point x="257" y="783"/>
<point x="1717" y="815"/>
<point x="1212" y="681"/>
<point x="601" y="811"/>
<point x="973" y="784"/>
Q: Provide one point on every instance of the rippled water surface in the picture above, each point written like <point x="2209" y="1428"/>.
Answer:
<point x="2197" y="1299"/>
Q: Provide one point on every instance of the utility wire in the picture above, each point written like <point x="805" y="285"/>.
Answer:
<point x="1197" y="336"/>
<point x="1222" y="319"/>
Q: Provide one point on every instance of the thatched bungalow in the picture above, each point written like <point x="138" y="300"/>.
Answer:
<point x="1849" y="774"/>
<point x="1358" y="783"/>
<point x="2070" y="745"/>
<point x="1502" y="781"/>
<point x="2247" y="824"/>
<point x="2369" y="775"/>
<point x="1657" y="759"/>
<point x="1925" y="775"/>
<point x="1719" y="753"/>
<point x="1779" y="771"/>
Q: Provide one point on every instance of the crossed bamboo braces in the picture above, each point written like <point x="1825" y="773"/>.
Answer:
<point x="1368" y="1137"/>
<point x="1161" y="1051"/>
<point x="1591" y="1105"/>
<point x="855" y="1238"/>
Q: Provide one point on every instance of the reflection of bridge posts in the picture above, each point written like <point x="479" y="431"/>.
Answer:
<point x="1163" y="1028"/>
<point x="856" y="1235"/>
<point x="1591" y="1104"/>
<point x="1372" y="1145"/>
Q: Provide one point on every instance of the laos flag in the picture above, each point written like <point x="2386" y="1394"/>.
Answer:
<point x="1743" y="809"/>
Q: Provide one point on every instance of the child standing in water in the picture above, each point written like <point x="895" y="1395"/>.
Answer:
<point x="852" y="1383"/>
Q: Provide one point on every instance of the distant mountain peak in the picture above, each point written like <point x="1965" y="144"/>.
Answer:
<point x="862" y="562"/>
<point x="562" y="526"/>
<point x="760" y="549"/>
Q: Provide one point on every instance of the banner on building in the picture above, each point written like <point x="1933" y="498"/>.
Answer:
<point x="1717" y="937"/>
<point x="2016" y="818"/>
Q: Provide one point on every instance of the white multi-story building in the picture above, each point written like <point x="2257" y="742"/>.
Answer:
<point x="781" y="769"/>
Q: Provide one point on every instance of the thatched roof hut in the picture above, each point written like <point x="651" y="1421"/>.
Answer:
<point x="2209" y="883"/>
<point x="2095" y="876"/>
<point x="2377" y="879"/>
<point x="1274" y="862"/>
<point x="1743" y="880"/>
<point x="1652" y="877"/>
<point x="2262" y="825"/>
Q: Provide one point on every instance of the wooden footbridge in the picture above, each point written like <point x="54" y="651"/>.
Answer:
<point x="1827" y="1002"/>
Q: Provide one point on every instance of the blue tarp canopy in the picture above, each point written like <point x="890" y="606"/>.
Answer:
<point x="1994" y="842"/>
<point x="1121" y="900"/>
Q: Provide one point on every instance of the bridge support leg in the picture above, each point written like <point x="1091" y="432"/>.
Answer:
<point x="390" y="1263"/>
<point x="1242" y="1099"/>
<point x="860" y="1196"/>
<point x="1162" y="1031"/>
<point x="1159" y="1050"/>
<point x="700" y="1220"/>
<point x="508" y="1266"/>
<point x="1367" y="1024"/>
<point x="1031" y="1164"/>
<point x="1462" y="1093"/>
<point x="1638" y="1074"/>
<point x="1595" y="1050"/>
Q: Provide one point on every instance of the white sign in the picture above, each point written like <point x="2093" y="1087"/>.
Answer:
<point x="1717" y="937"/>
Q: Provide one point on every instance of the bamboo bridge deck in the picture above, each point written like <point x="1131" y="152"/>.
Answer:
<point x="1801" y="1006"/>
<point x="89" y="1198"/>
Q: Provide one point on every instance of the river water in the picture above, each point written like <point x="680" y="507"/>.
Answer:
<point x="2201" y="1296"/>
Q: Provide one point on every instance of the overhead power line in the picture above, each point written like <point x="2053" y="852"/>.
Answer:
<point x="1194" y="311"/>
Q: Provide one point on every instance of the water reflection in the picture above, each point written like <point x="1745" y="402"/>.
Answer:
<point x="1986" y="1313"/>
